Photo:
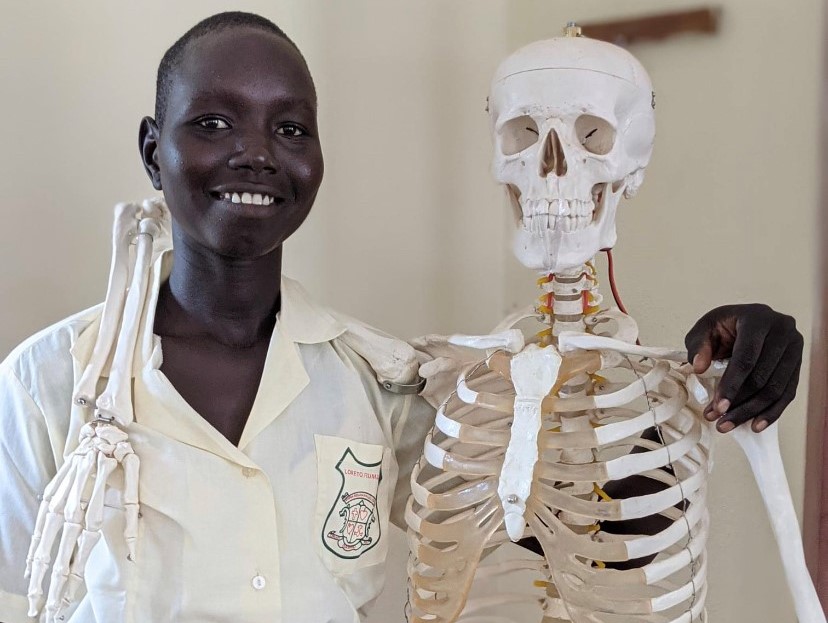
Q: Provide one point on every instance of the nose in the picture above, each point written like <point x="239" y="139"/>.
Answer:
<point x="552" y="158"/>
<point x="254" y="155"/>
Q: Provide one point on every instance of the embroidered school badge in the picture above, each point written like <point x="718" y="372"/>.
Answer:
<point x="352" y="526"/>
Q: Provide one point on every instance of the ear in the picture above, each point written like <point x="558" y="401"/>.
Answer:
<point x="148" y="134"/>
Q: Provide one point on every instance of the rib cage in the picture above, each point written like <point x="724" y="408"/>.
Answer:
<point x="590" y="425"/>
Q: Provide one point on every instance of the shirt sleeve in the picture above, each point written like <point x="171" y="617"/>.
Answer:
<point x="406" y="420"/>
<point x="26" y="467"/>
<point x="410" y="423"/>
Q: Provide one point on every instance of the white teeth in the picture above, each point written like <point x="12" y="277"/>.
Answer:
<point x="571" y="215"/>
<point x="555" y="207"/>
<point x="248" y="198"/>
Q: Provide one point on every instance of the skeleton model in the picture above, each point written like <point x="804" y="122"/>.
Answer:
<point x="528" y="442"/>
<point x="74" y="500"/>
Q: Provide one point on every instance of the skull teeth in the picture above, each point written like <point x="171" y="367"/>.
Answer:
<point x="567" y="215"/>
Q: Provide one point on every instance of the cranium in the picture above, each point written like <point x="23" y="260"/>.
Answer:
<point x="573" y="126"/>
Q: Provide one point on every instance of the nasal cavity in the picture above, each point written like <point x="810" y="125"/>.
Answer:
<point x="552" y="159"/>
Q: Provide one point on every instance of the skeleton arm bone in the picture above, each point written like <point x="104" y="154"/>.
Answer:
<point x="73" y="500"/>
<point x="762" y="452"/>
<point x="443" y="357"/>
<point x="511" y="340"/>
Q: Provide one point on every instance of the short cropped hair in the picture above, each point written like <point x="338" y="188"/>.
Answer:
<point x="221" y="21"/>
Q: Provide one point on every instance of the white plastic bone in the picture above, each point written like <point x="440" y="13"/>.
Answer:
<point x="534" y="372"/>
<point x="573" y="127"/>
<point x="762" y="452"/>
<point x="626" y="328"/>
<point x="472" y="445"/>
<point x="115" y="403"/>
<point x="392" y="359"/>
<point x="510" y="340"/>
<point x="126" y="226"/>
<point x="73" y="500"/>
<point x="570" y="341"/>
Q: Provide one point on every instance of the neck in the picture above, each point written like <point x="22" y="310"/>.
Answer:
<point x="231" y="301"/>
<point x="567" y="296"/>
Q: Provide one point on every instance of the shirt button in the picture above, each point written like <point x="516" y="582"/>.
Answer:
<point x="259" y="582"/>
<point x="248" y="472"/>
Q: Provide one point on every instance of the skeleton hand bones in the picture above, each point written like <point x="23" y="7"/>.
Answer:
<point x="74" y="500"/>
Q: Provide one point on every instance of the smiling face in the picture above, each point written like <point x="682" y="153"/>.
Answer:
<point x="238" y="156"/>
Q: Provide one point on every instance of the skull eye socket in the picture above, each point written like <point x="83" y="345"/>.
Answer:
<point x="595" y="134"/>
<point x="517" y="134"/>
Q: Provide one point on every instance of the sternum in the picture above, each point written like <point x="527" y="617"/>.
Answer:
<point x="566" y="298"/>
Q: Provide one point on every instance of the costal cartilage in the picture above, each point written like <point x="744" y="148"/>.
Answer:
<point x="73" y="500"/>
<point x="452" y="518"/>
<point x="762" y="452"/>
<point x="472" y="448"/>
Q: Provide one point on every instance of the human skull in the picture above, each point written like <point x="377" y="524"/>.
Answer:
<point x="573" y="126"/>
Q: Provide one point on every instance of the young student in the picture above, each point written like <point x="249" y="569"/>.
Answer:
<point x="252" y="404"/>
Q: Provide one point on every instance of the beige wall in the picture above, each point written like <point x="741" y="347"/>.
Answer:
<point x="409" y="231"/>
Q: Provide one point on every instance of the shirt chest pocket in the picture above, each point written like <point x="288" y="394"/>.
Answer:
<point x="352" y="506"/>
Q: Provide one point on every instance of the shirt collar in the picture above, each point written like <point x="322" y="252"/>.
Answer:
<point x="303" y="321"/>
<point x="81" y="350"/>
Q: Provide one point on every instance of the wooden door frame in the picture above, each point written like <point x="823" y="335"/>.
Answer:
<point x="815" y="519"/>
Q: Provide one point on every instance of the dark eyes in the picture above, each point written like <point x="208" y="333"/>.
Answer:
<point x="217" y="123"/>
<point x="213" y="123"/>
<point x="290" y="129"/>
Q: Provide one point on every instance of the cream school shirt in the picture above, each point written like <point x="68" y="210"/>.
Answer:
<point x="291" y="526"/>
